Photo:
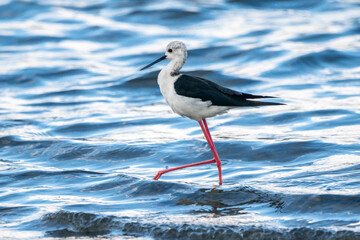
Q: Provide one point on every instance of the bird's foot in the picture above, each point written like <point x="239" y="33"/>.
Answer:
<point x="158" y="175"/>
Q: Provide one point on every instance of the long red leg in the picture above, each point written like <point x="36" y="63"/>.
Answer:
<point x="216" y="159"/>
<point x="158" y="175"/>
<point x="207" y="134"/>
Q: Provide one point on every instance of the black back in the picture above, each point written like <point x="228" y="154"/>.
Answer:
<point x="196" y="87"/>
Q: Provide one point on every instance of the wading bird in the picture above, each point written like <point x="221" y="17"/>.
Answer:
<point x="197" y="98"/>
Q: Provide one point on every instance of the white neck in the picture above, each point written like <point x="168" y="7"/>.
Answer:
<point x="167" y="78"/>
<point x="174" y="66"/>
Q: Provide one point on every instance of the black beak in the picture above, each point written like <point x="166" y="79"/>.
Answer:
<point x="149" y="65"/>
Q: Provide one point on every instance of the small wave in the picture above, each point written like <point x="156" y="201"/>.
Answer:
<point x="279" y="4"/>
<point x="68" y="224"/>
<point x="312" y="62"/>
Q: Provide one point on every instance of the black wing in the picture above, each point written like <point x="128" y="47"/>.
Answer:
<point x="206" y="90"/>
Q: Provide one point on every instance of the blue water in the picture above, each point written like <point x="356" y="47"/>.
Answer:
<point x="83" y="132"/>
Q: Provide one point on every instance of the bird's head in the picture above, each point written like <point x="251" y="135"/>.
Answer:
<point x="175" y="50"/>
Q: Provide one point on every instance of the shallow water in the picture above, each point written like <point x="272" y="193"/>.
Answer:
<point x="83" y="131"/>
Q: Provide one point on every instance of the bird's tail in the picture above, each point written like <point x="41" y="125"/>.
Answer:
<point x="252" y="96"/>
<point x="257" y="103"/>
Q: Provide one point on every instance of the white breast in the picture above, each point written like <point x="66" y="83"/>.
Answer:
<point x="193" y="108"/>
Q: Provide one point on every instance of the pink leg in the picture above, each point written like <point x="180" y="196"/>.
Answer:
<point x="216" y="159"/>
<point x="206" y="131"/>
<point x="158" y="175"/>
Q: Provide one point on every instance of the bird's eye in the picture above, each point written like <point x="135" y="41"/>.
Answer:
<point x="170" y="50"/>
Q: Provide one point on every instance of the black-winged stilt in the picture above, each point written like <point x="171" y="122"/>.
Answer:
<point x="197" y="98"/>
